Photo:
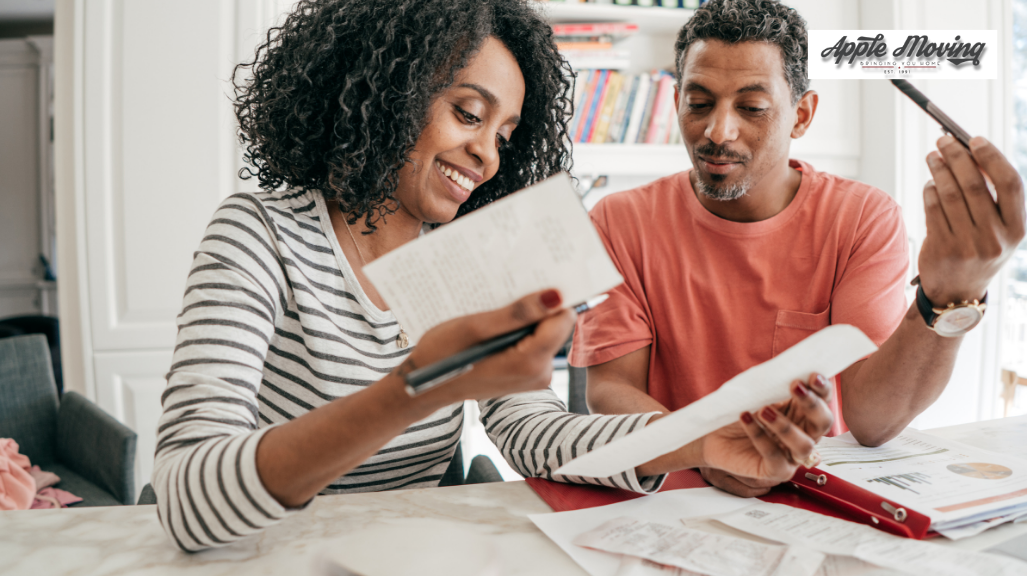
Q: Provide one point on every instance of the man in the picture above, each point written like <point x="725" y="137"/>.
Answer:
<point x="731" y="263"/>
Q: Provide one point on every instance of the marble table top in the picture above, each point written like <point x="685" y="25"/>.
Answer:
<point x="121" y="540"/>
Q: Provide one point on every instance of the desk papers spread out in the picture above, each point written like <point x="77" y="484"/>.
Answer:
<point x="538" y="238"/>
<point x="814" y="531"/>
<point x="827" y="352"/>
<point x="952" y="483"/>
<point x="665" y="508"/>
<point x="699" y="551"/>
<point x="1003" y="435"/>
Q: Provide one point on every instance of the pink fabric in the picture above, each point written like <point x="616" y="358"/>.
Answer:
<point x="53" y="498"/>
<point x="43" y="478"/>
<point x="17" y="488"/>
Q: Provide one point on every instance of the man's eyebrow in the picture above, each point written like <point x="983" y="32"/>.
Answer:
<point x="755" y="87"/>
<point x="489" y="97"/>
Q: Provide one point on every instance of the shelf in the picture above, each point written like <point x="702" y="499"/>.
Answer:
<point x="626" y="159"/>
<point x="650" y="20"/>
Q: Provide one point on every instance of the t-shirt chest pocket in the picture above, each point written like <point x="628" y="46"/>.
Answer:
<point x="793" y="327"/>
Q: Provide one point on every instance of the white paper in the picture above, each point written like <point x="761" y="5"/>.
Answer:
<point x="632" y="566"/>
<point x="1004" y="435"/>
<point x="827" y="352"/>
<point x="699" y="551"/>
<point x="829" y="535"/>
<point x="665" y="507"/>
<point x="538" y="238"/>
<point x="950" y="482"/>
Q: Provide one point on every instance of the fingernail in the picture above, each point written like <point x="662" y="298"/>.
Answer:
<point x="746" y="417"/>
<point x="800" y="391"/>
<point x="946" y="140"/>
<point x="768" y="414"/>
<point x="551" y="298"/>
<point x="821" y="381"/>
<point x="977" y="142"/>
<point x="933" y="160"/>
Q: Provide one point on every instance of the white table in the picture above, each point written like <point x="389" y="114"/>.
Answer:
<point x="129" y="539"/>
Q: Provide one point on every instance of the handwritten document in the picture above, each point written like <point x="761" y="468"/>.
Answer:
<point x="827" y="352"/>
<point x="538" y="238"/>
<point x="698" y="551"/>
<point x="798" y="527"/>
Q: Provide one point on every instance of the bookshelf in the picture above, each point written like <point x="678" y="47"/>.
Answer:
<point x="652" y="47"/>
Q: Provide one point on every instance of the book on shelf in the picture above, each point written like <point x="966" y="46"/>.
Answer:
<point x="611" y="107"/>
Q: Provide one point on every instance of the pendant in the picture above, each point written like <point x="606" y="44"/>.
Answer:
<point x="401" y="339"/>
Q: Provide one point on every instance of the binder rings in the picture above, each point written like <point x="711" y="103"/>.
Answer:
<point x="810" y="489"/>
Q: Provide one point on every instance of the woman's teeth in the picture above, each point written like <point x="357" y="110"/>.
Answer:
<point x="455" y="176"/>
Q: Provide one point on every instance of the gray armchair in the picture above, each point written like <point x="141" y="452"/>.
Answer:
<point x="93" y="453"/>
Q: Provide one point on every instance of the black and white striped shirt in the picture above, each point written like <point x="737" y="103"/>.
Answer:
<point x="273" y="325"/>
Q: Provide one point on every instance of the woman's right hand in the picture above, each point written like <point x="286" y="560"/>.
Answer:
<point x="525" y="366"/>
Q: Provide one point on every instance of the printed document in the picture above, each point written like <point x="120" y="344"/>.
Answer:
<point x="828" y="535"/>
<point x="950" y="482"/>
<point x="827" y="352"/>
<point x="538" y="238"/>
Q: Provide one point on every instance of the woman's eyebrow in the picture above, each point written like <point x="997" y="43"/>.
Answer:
<point x="489" y="97"/>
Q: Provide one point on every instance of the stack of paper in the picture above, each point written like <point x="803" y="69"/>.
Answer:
<point x="962" y="489"/>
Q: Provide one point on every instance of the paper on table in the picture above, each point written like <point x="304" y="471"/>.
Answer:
<point x="827" y="352"/>
<point x="954" y="484"/>
<point x="1006" y="436"/>
<point x="664" y="507"/>
<point x="538" y="238"/>
<point x="703" y="552"/>
<point x="829" y="535"/>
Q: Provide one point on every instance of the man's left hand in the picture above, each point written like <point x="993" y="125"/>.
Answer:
<point x="969" y="234"/>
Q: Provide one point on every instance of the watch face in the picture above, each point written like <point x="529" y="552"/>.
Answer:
<point x="957" y="321"/>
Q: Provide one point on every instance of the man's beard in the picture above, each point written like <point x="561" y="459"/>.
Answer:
<point x="722" y="193"/>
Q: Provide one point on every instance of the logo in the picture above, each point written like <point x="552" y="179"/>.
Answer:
<point x="932" y="54"/>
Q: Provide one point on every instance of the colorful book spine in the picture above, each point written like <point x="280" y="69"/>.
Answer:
<point x="658" y="126"/>
<point x="586" y="103"/>
<point x="593" y="108"/>
<point x="647" y="118"/>
<point x="595" y="29"/>
<point x="620" y="112"/>
<point x="637" y="109"/>
<point x="609" y="102"/>
<point x="580" y="86"/>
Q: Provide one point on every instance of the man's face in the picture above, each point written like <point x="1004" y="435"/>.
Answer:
<point x="736" y="115"/>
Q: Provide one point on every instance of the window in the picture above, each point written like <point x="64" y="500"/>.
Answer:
<point x="1014" y="278"/>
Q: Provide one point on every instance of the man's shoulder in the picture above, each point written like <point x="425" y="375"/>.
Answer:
<point x="850" y="197"/>
<point x="644" y="202"/>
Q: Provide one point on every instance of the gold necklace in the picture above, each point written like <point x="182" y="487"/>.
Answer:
<point x="401" y="339"/>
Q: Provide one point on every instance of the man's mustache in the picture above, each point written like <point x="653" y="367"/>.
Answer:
<point x="720" y="152"/>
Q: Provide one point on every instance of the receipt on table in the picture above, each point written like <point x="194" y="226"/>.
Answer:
<point x="827" y="352"/>
<point x="698" y="551"/>
<point x="814" y="531"/>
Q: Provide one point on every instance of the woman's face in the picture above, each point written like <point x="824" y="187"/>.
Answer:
<point x="469" y="122"/>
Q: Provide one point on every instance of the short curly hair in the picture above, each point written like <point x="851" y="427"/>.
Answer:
<point x="338" y="94"/>
<point x="734" y="21"/>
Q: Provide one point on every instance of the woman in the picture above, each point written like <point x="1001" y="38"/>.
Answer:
<point x="381" y="118"/>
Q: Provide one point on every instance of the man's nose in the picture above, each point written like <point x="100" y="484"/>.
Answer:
<point x="722" y="126"/>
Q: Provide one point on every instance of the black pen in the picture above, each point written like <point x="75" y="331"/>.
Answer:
<point x="448" y="368"/>
<point x="947" y="124"/>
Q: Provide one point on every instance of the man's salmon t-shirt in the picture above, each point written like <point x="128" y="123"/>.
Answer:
<point x="715" y="297"/>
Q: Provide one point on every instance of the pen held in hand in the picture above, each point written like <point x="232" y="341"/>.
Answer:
<point x="948" y="125"/>
<point x="446" y="369"/>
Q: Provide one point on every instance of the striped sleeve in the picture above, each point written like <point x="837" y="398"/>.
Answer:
<point x="205" y="474"/>
<point x="537" y="435"/>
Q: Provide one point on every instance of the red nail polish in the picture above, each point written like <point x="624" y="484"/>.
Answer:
<point x="746" y="417"/>
<point x="768" y="414"/>
<point x="551" y="298"/>
<point x="800" y="391"/>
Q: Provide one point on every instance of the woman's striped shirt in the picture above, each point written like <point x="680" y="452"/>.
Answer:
<point x="273" y="325"/>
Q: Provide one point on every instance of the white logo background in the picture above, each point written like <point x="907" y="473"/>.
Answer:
<point x="869" y="66"/>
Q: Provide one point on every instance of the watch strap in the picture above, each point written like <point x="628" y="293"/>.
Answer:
<point x="926" y="308"/>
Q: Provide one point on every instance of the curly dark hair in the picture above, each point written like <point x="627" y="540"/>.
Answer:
<point x="338" y="94"/>
<point x="734" y="21"/>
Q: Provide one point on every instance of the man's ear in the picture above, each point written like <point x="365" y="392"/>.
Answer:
<point x="804" y="112"/>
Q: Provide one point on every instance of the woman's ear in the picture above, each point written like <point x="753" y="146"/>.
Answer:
<point x="804" y="112"/>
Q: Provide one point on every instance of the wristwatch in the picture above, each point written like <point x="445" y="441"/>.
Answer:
<point x="953" y="320"/>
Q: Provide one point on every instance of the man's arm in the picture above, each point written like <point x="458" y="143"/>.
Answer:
<point x="620" y="386"/>
<point x="969" y="237"/>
